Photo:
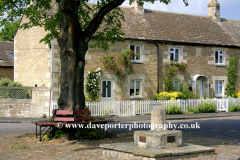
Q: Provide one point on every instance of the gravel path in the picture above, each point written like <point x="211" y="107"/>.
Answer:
<point x="27" y="147"/>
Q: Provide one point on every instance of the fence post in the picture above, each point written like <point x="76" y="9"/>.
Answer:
<point x="133" y="108"/>
<point x="179" y="104"/>
<point x="227" y="105"/>
<point x="118" y="108"/>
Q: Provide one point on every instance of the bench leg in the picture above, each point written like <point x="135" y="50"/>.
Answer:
<point x="40" y="133"/>
<point x="36" y="131"/>
<point x="77" y="133"/>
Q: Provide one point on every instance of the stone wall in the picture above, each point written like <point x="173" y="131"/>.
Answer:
<point x="6" y="72"/>
<point x="200" y="61"/>
<point x="35" y="107"/>
<point x="31" y="58"/>
<point x="145" y="70"/>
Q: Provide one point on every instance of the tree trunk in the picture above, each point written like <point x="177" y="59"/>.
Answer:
<point x="72" y="54"/>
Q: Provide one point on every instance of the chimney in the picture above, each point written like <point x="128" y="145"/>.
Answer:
<point x="138" y="9"/>
<point x="214" y="10"/>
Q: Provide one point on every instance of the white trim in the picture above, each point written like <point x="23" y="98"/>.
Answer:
<point x="112" y="90"/>
<point x="219" y="55"/>
<point x="174" y="53"/>
<point x="134" y="60"/>
<point x="217" y="81"/>
<point x="135" y="88"/>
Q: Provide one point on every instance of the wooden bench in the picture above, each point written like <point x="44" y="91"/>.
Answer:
<point x="69" y="117"/>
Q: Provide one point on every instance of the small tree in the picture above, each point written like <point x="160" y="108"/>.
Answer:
<point x="231" y="76"/>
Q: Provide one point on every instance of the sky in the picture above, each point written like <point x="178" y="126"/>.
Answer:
<point x="229" y="9"/>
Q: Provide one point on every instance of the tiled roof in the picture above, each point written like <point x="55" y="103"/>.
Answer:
<point x="232" y="28"/>
<point x="176" y="27"/>
<point x="5" y="49"/>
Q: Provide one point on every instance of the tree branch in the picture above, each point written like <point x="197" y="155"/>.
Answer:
<point x="93" y="26"/>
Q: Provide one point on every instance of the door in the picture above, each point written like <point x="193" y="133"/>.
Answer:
<point x="106" y="90"/>
<point x="199" y="83"/>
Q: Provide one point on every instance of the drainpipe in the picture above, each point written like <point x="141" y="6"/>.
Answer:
<point x="157" y="66"/>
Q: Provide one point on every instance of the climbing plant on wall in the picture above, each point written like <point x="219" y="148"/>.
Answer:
<point x="169" y="77"/>
<point x="120" y="65"/>
<point x="92" y="85"/>
<point x="231" y="76"/>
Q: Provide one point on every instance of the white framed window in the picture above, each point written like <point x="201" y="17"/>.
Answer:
<point x="219" y="57"/>
<point x="174" y="54"/>
<point x="135" y="88"/>
<point x="176" y="85"/>
<point x="219" y="88"/>
<point x="0" y="59"/>
<point x="137" y="49"/>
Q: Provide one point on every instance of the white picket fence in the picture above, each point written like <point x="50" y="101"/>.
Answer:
<point x="132" y="108"/>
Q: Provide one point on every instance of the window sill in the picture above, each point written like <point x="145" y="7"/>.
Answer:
<point x="136" y="61"/>
<point x="220" y="64"/>
<point x="135" y="97"/>
<point x="218" y="96"/>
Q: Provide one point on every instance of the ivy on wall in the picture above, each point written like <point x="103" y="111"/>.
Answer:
<point x="231" y="76"/>
<point x="169" y="77"/>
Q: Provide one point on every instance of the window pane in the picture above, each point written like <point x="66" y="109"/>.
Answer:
<point x="103" y="88"/>
<point x="221" y="59"/>
<point x="137" y="87"/>
<point x="177" y="54"/>
<point x="216" y="87"/>
<point x="138" y="48"/>
<point x="220" y="83"/>
<point x="132" y="47"/>
<point x="220" y="90"/>
<point x="171" y="49"/>
<point x="171" y="57"/>
<point x="216" y="57"/>
<point x="131" y="88"/>
<point x="109" y="88"/>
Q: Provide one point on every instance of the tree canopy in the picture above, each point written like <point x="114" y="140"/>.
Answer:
<point x="74" y="24"/>
<point x="8" y="31"/>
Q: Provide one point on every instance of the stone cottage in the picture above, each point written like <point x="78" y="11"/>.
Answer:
<point x="6" y="59"/>
<point x="204" y="43"/>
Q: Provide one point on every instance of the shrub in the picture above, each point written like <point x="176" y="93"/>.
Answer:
<point x="7" y="82"/>
<point x="89" y="134"/>
<point x="106" y="116"/>
<point x="187" y="94"/>
<point x="234" y="107"/>
<point x="167" y="96"/>
<point x="174" y="109"/>
<point x="237" y="94"/>
<point x="206" y="107"/>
